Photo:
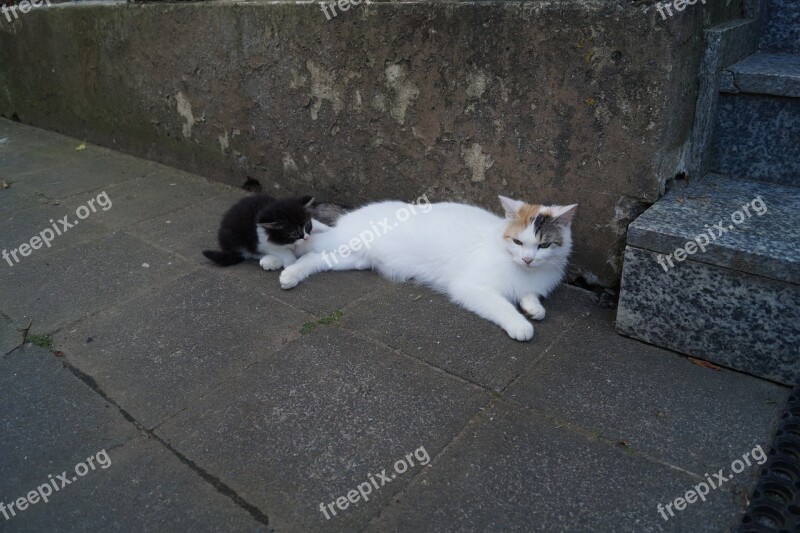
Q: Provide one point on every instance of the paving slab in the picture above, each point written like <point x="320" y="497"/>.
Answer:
<point x="321" y="294"/>
<point x="52" y="422"/>
<point x="146" y="488"/>
<point x="155" y="353"/>
<point x="85" y="174"/>
<point x="18" y="198"/>
<point x="19" y="135"/>
<point x="659" y="402"/>
<point x="514" y="471"/>
<point x="190" y="230"/>
<point x="140" y="199"/>
<point x="250" y="405"/>
<point x="10" y="335"/>
<point x="312" y="422"/>
<point x="19" y="227"/>
<point x="20" y="158"/>
<point x="57" y="288"/>
<point x="428" y="326"/>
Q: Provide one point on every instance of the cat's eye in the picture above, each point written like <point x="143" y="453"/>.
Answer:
<point x="517" y="242"/>
<point x="545" y="245"/>
<point x="308" y="227"/>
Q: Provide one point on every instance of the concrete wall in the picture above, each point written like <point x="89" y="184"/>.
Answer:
<point x="550" y="101"/>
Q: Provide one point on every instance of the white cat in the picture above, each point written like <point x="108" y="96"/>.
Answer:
<point x="483" y="262"/>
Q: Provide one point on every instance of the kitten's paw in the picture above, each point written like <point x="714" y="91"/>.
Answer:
<point x="289" y="279"/>
<point x="270" y="262"/>
<point x="532" y="307"/>
<point x="520" y="330"/>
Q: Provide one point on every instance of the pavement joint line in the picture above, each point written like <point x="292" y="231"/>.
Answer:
<point x="398" y="351"/>
<point x="209" y="478"/>
<point x="162" y="214"/>
<point x="541" y="356"/>
<point x="724" y="368"/>
<point x="368" y="296"/>
<point x="147" y="241"/>
<point x="140" y="291"/>
<point x="28" y="188"/>
<point x="315" y="315"/>
<point x="54" y="167"/>
<point x="239" y="373"/>
<point x="24" y="331"/>
<point x="472" y="422"/>
<point x="500" y="395"/>
<point x="589" y="435"/>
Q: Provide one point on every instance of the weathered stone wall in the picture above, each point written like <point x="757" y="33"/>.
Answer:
<point x="550" y="101"/>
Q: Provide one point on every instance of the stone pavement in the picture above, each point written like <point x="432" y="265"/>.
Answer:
<point x="224" y="403"/>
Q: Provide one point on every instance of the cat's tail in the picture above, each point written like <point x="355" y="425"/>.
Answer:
<point x="224" y="258"/>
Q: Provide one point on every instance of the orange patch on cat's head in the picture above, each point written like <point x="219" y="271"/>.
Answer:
<point x="524" y="217"/>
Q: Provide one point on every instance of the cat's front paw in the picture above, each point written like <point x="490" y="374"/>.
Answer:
<point x="519" y="330"/>
<point x="289" y="279"/>
<point x="532" y="307"/>
<point x="270" y="262"/>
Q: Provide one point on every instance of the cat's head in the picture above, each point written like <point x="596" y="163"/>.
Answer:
<point x="287" y="220"/>
<point x="537" y="234"/>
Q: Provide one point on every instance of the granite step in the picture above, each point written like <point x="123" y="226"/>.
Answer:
<point x="757" y="131"/>
<point x="764" y="73"/>
<point x="782" y="29"/>
<point x="713" y="271"/>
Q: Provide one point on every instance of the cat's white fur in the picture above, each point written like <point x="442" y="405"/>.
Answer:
<point x="273" y="256"/>
<point x="454" y="248"/>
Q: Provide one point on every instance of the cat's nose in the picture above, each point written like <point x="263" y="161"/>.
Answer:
<point x="528" y="260"/>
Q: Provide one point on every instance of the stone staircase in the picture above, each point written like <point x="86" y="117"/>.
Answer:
<point x="712" y="269"/>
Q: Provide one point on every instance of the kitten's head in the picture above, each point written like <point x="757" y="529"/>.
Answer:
<point x="287" y="220"/>
<point x="537" y="234"/>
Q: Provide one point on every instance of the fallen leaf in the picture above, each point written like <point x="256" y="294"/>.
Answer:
<point x="80" y="148"/>
<point x="59" y="354"/>
<point x="680" y="199"/>
<point x="623" y="443"/>
<point x="706" y="364"/>
<point x="5" y="184"/>
<point x="415" y="298"/>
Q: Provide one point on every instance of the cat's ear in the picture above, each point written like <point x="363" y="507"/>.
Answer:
<point x="306" y="201"/>
<point x="511" y="207"/>
<point x="564" y="213"/>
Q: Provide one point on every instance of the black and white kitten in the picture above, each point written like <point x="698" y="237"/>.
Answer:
<point x="269" y="229"/>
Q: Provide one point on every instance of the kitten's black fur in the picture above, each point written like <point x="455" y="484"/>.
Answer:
<point x="284" y="221"/>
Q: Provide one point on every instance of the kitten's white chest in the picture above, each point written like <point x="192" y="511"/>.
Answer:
<point x="265" y="247"/>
